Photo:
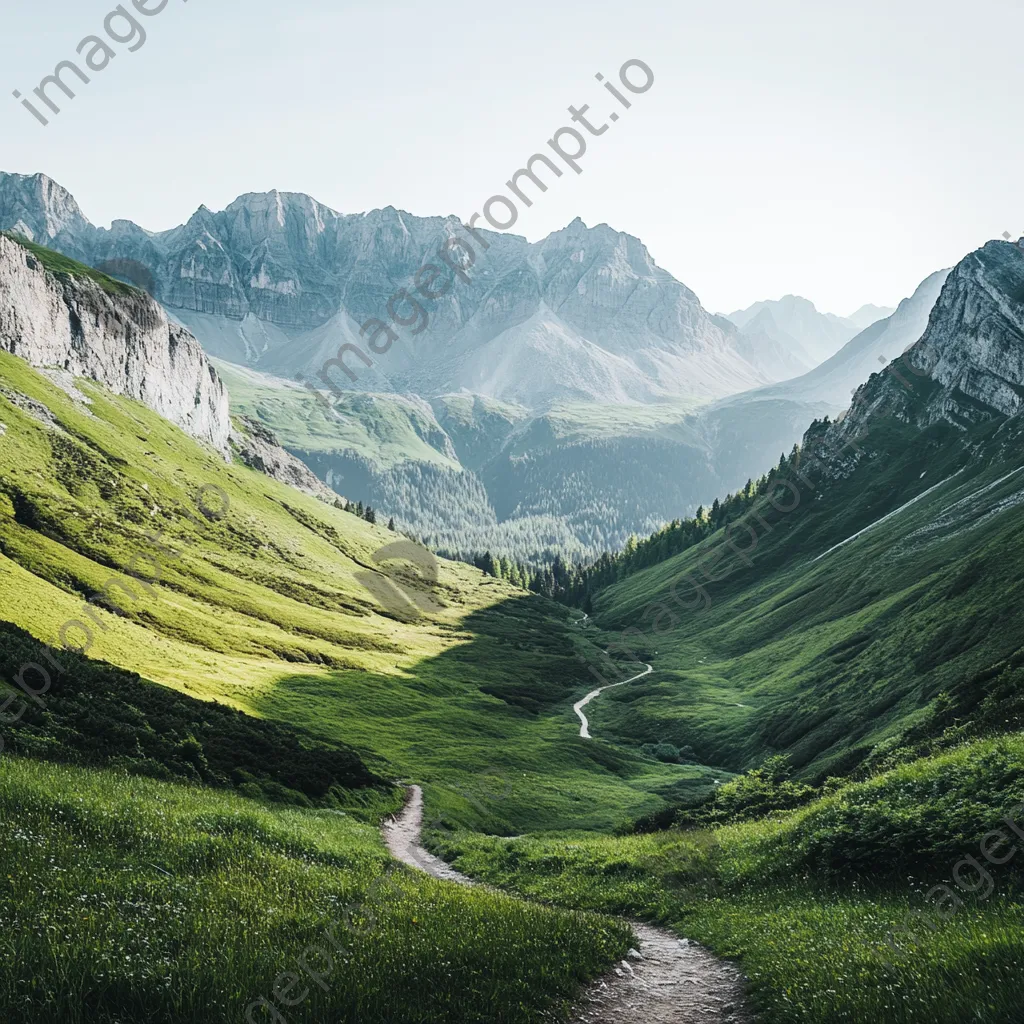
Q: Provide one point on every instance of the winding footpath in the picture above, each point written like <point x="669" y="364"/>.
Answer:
<point x="666" y="981"/>
<point x="580" y="705"/>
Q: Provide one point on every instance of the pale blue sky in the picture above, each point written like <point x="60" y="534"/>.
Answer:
<point x="838" y="151"/>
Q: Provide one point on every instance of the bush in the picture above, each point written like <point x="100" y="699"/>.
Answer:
<point x="752" y="795"/>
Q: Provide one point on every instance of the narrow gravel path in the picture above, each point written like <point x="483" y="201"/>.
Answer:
<point x="580" y="705"/>
<point x="667" y="981"/>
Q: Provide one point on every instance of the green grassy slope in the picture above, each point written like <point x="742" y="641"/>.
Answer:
<point x="832" y="909"/>
<point x="830" y="656"/>
<point x="384" y="430"/>
<point x="135" y="900"/>
<point x="263" y="610"/>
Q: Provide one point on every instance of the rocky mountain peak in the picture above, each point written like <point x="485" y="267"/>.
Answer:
<point x="967" y="367"/>
<point x="280" y="281"/>
<point x="36" y="207"/>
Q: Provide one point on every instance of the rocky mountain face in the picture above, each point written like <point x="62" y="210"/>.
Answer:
<point x="968" y="366"/>
<point x="279" y="281"/>
<point x="259" y="449"/>
<point x="125" y="341"/>
<point x="39" y="209"/>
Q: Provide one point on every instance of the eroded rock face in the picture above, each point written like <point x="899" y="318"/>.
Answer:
<point x="258" y="448"/>
<point x="974" y="344"/>
<point x="968" y="366"/>
<point x="124" y="341"/>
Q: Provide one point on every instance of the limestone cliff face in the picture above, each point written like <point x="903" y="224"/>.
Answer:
<point x="124" y="341"/>
<point x="967" y="368"/>
<point x="974" y="345"/>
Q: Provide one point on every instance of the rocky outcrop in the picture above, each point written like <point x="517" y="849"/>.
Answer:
<point x="258" y="448"/>
<point x="119" y="337"/>
<point x="966" y="369"/>
<point x="37" y="208"/>
<point x="974" y="345"/>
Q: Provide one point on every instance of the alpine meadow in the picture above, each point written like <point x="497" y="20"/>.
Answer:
<point x="406" y="620"/>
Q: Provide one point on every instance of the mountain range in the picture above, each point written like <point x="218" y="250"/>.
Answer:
<point x="788" y="337"/>
<point x="279" y="281"/>
<point x="570" y="393"/>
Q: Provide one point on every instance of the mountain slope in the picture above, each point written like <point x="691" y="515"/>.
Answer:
<point x="835" y="380"/>
<point x="888" y="599"/>
<point x="121" y="533"/>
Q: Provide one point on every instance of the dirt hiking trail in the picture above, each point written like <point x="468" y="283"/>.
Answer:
<point x="667" y="981"/>
<point x="580" y="705"/>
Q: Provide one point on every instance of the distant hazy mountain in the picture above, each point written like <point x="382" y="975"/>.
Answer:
<point x="787" y="337"/>
<point x="868" y="315"/>
<point x="751" y="430"/>
<point x="777" y="354"/>
<point x="833" y="382"/>
<point x="278" y="281"/>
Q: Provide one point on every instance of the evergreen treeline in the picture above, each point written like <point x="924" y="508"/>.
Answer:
<point x="357" y="508"/>
<point x="503" y="568"/>
<point x="589" y="499"/>
<point x="548" y="561"/>
<point x="576" y="584"/>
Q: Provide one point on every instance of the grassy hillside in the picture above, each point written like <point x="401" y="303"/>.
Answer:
<point x="384" y="430"/>
<point x="136" y="900"/>
<point x="832" y="909"/>
<point x="265" y="607"/>
<point x="87" y="712"/>
<point x="773" y="642"/>
<point x="471" y="474"/>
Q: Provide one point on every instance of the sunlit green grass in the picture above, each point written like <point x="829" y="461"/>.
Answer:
<point x="132" y="900"/>
<point x="829" y="658"/>
<point x="263" y="610"/>
<point x="814" y="903"/>
<point x="386" y="430"/>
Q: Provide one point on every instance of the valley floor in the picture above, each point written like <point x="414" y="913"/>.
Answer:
<point x="666" y="981"/>
<point x="861" y="907"/>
